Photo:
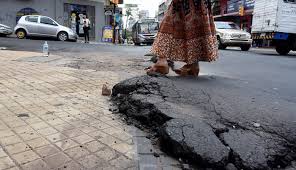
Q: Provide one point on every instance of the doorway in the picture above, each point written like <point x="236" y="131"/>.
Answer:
<point x="73" y="16"/>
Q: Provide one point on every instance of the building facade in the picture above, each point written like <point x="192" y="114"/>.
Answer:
<point x="162" y="8"/>
<point x="237" y="11"/>
<point x="65" y="12"/>
<point x="143" y="14"/>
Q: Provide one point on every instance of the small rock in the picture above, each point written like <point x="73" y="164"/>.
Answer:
<point x="230" y="166"/>
<point x="185" y="167"/>
<point x="257" y="125"/>
<point x="23" y="115"/>
<point x="106" y="91"/>
<point x="155" y="154"/>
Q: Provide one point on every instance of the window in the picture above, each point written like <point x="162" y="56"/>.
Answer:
<point x="290" y="1"/>
<point x="32" y="19"/>
<point x="45" y="20"/>
<point x="226" y="25"/>
<point x="148" y="28"/>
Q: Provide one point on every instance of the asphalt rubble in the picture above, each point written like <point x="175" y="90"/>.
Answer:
<point x="198" y="128"/>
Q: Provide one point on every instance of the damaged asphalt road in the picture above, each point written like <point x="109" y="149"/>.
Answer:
<point x="213" y="122"/>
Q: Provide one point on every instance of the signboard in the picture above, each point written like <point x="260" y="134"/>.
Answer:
<point x="234" y="5"/>
<point x="249" y="4"/>
<point x="107" y="34"/>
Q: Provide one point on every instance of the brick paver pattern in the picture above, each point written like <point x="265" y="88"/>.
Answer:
<point x="56" y="118"/>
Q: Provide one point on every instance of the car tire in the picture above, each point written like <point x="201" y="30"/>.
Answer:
<point x="62" y="36"/>
<point x="282" y="49"/>
<point x="245" y="47"/>
<point x="137" y="44"/>
<point x="21" y="34"/>
<point x="220" y="45"/>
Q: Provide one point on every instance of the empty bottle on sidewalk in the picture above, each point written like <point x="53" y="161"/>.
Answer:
<point x="45" y="49"/>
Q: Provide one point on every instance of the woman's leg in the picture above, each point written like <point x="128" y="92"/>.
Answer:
<point x="84" y="32"/>
<point x="88" y="35"/>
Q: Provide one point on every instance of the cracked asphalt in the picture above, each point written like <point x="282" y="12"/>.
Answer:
<point x="242" y="106"/>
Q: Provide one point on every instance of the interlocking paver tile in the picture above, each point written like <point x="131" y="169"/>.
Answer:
<point x="6" y="133"/>
<point x="47" y="131"/>
<point x="57" y="160"/>
<point x="66" y="144"/>
<point x="56" y="137"/>
<point x="94" y="146"/>
<point x="6" y="162"/>
<point x="56" y="121"/>
<point x="72" y="133"/>
<point x="2" y="153"/>
<point x="83" y="139"/>
<point x="47" y="150"/>
<point x="98" y="134"/>
<point x="17" y="148"/>
<point x="14" y="168"/>
<point x="122" y="162"/>
<point x="64" y="127"/>
<point x="109" y="140"/>
<point x="122" y="147"/>
<point x="77" y="152"/>
<point x="71" y="166"/>
<point x="88" y="129"/>
<point x="29" y="135"/>
<point x="38" y="142"/>
<point x="37" y="164"/>
<point x="25" y="157"/>
<point x="39" y="125"/>
<point x="91" y="161"/>
<point x="107" y="153"/>
<point x="10" y="140"/>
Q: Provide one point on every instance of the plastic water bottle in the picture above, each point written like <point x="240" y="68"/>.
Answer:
<point x="45" y="49"/>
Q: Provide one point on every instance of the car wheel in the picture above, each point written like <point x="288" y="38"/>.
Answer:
<point x="282" y="49"/>
<point x="220" y="45"/>
<point x="63" y="36"/>
<point x="137" y="44"/>
<point x="245" y="47"/>
<point x="21" y="34"/>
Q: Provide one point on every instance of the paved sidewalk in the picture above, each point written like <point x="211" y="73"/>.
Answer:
<point x="56" y="118"/>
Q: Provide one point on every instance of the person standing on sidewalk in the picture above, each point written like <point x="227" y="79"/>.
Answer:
<point x="187" y="34"/>
<point x="86" y="28"/>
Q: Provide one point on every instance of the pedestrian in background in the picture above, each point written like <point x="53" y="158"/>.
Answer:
<point x="86" y="28"/>
<point x="187" y="33"/>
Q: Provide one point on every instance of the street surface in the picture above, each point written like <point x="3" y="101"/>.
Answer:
<point x="237" y="80"/>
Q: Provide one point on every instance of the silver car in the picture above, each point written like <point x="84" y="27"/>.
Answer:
<point x="5" y="30"/>
<point x="229" y="34"/>
<point x="43" y="26"/>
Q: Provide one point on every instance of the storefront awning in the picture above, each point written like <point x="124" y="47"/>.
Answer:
<point x="247" y="12"/>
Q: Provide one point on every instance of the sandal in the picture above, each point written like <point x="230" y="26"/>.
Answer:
<point x="159" y="67"/>
<point x="188" y="70"/>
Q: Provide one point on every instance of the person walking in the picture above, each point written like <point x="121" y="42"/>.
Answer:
<point x="187" y="34"/>
<point x="86" y="28"/>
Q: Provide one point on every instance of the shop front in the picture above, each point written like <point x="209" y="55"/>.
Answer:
<point x="65" y="12"/>
<point x="73" y="17"/>
<point x="237" y="11"/>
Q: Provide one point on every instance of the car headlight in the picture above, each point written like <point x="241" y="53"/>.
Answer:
<point x="226" y="35"/>
<point x="249" y="36"/>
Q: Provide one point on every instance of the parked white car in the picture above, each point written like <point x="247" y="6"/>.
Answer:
<point x="43" y="26"/>
<point x="5" y="30"/>
<point x="229" y="34"/>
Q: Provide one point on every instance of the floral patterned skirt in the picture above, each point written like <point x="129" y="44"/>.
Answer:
<point x="187" y="33"/>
